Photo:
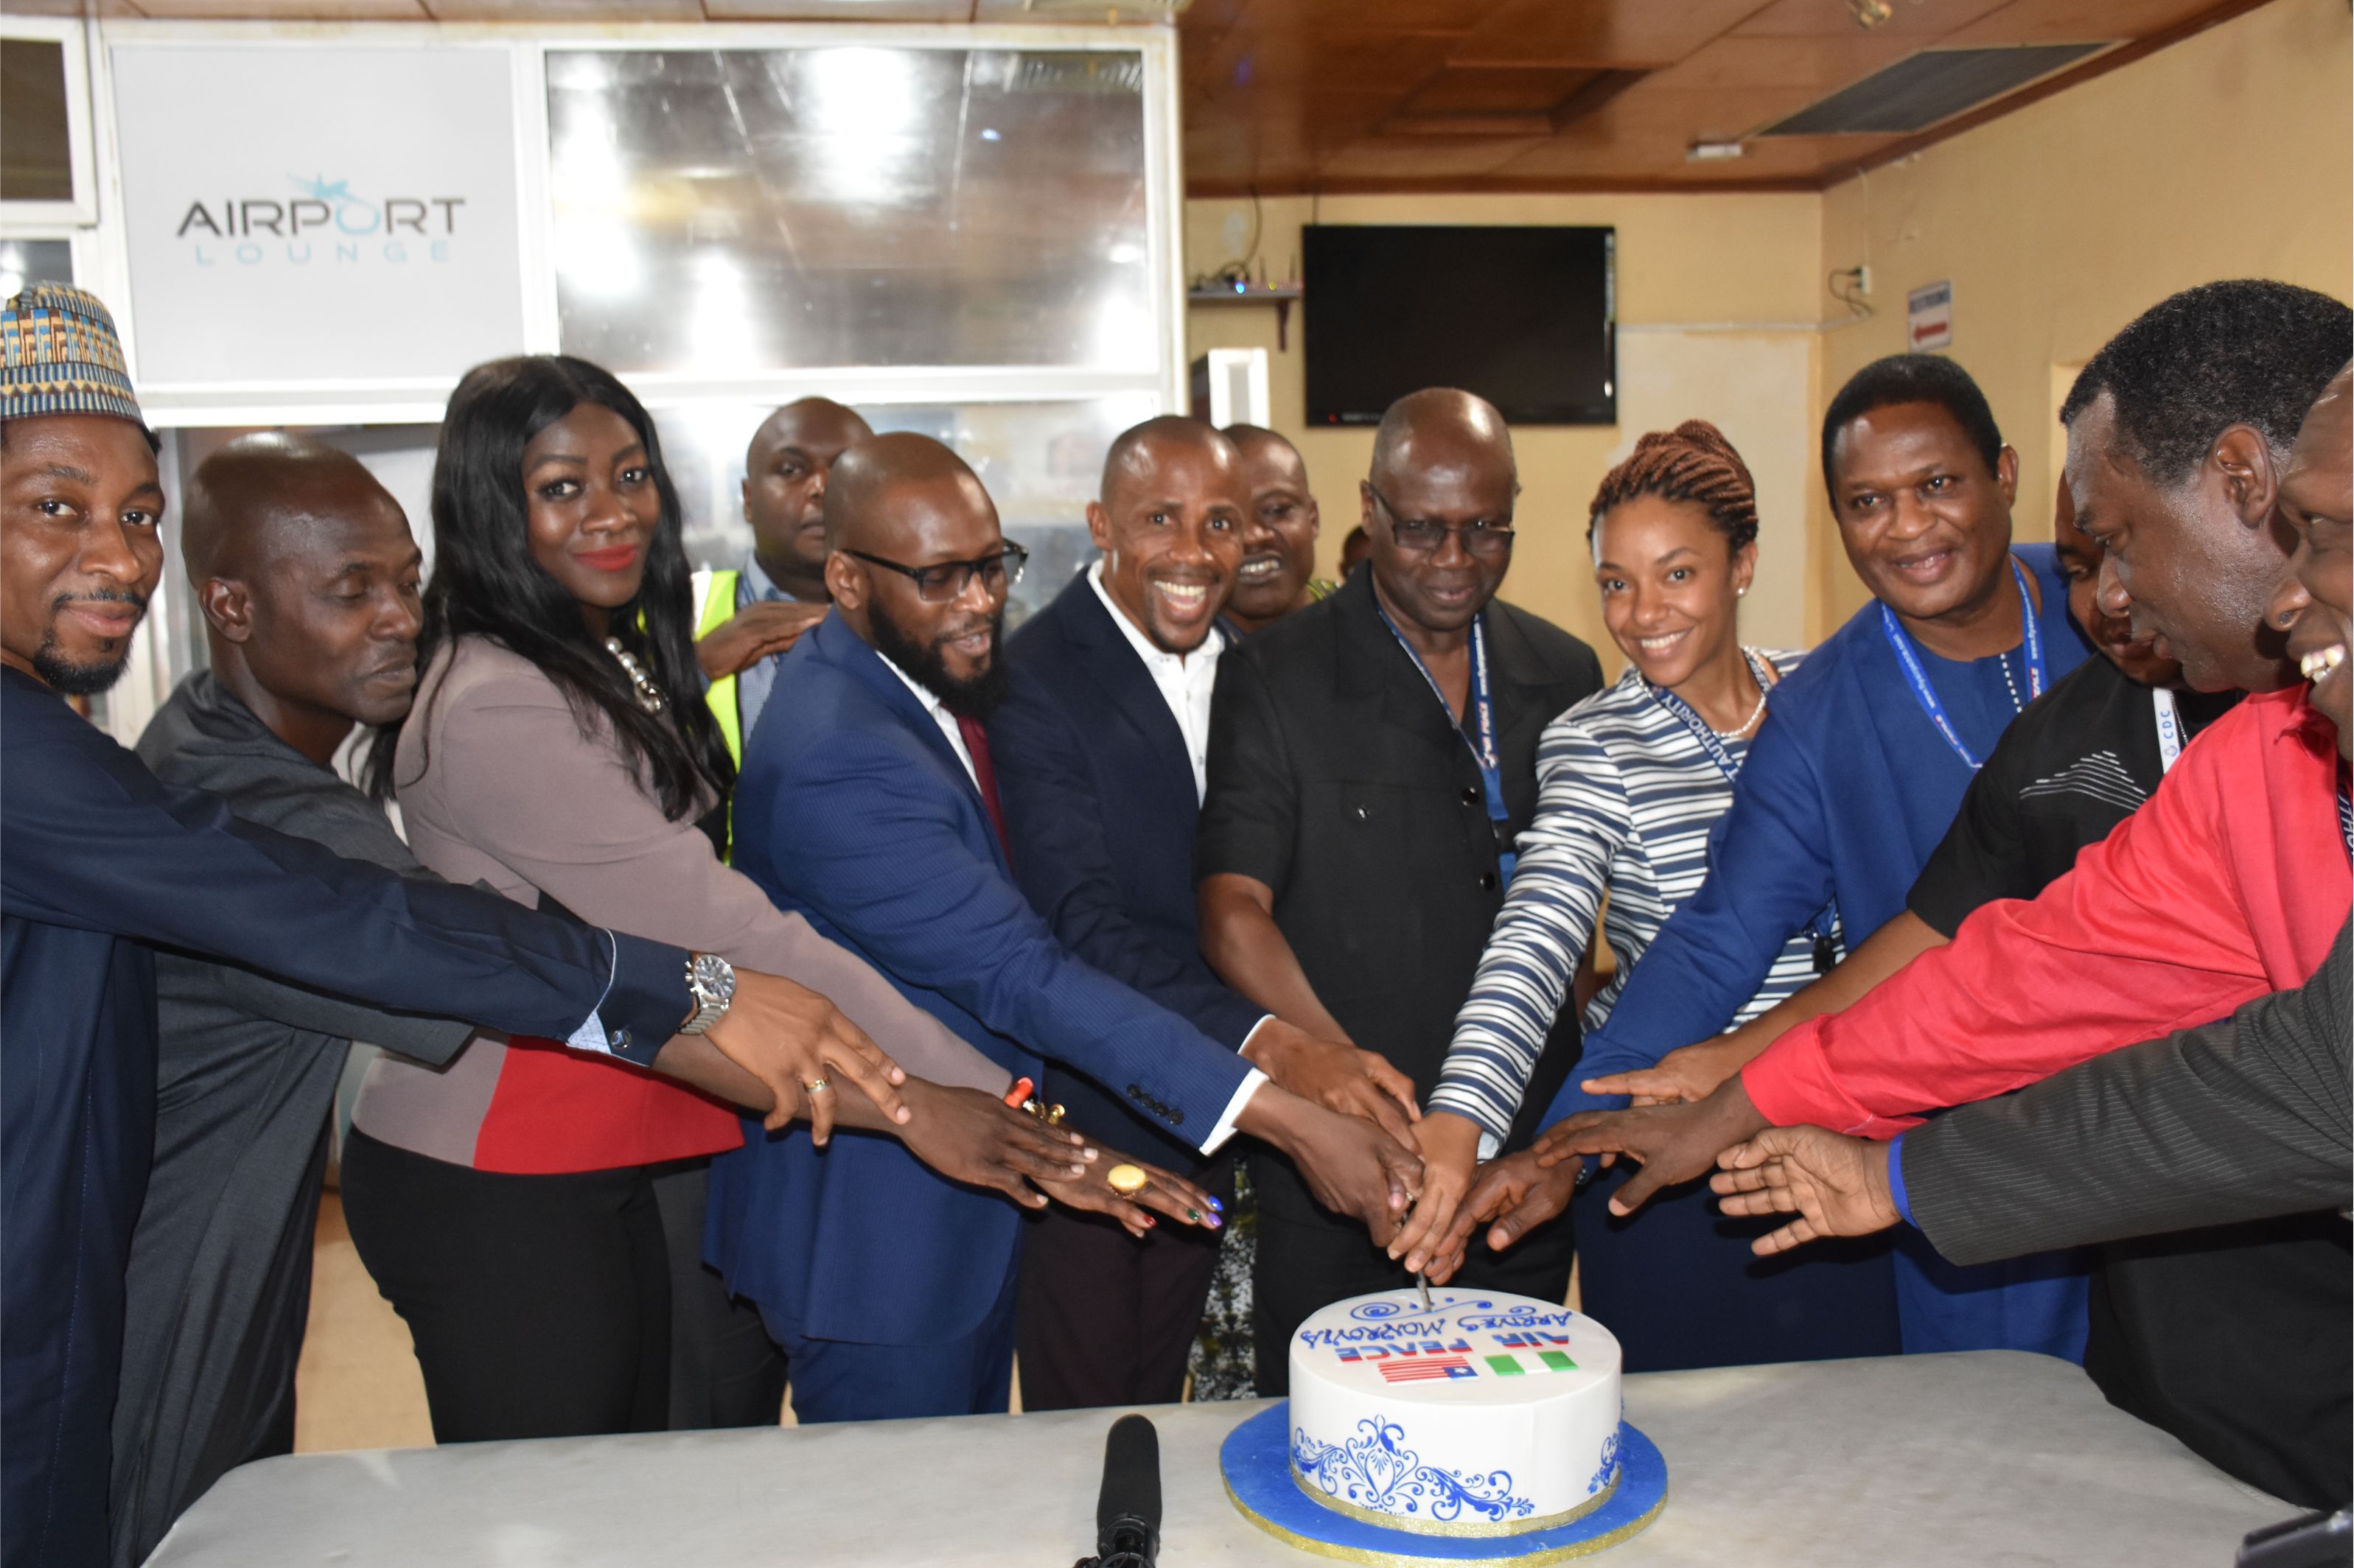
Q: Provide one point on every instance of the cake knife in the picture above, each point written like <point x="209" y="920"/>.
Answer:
<point x="1422" y="1283"/>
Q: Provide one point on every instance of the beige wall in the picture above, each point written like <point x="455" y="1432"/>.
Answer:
<point x="2225" y="156"/>
<point x="1714" y="259"/>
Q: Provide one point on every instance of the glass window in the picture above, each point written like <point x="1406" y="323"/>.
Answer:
<point x="717" y="211"/>
<point x="1042" y="463"/>
<point x="35" y="145"/>
<point x="24" y="261"/>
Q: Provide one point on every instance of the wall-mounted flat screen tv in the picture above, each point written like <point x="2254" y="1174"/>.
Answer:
<point x="1526" y="317"/>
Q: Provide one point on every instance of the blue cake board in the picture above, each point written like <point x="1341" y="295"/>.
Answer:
<point x="1256" y="1460"/>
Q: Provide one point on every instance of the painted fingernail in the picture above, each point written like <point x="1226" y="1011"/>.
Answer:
<point x="1194" y="1216"/>
<point x="1221" y="1208"/>
<point x="1216" y="1223"/>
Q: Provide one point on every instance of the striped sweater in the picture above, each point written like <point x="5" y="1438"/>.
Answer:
<point x="1626" y="796"/>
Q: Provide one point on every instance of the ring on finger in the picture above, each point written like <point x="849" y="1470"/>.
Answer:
<point x="817" y="1086"/>
<point x="1127" y="1180"/>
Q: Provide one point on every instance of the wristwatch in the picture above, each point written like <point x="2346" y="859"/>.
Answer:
<point x="711" y="981"/>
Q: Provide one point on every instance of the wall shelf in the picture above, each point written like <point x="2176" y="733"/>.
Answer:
<point x="1281" y="296"/>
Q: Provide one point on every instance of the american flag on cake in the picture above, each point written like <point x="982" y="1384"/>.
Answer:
<point x="1415" y="1369"/>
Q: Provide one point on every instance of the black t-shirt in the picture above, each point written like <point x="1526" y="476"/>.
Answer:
<point x="2068" y="770"/>
<point x="2074" y="765"/>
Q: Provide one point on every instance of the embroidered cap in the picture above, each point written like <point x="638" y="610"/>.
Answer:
<point x="59" y="355"/>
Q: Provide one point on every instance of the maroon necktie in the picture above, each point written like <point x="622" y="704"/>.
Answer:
<point x="984" y="773"/>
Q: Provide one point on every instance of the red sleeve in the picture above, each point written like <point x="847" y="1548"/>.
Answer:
<point x="2146" y="935"/>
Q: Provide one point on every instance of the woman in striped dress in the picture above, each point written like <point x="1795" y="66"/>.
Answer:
<point x="1632" y="780"/>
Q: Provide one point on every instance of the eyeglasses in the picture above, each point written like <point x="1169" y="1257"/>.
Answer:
<point x="997" y="571"/>
<point x="1427" y="536"/>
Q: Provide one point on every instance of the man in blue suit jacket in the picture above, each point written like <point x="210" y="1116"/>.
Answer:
<point x="868" y="803"/>
<point x="1101" y="747"/>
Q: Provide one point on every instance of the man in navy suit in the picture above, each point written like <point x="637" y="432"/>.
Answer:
<point x="1100" y="747"/>
<point x="868" y="802"/>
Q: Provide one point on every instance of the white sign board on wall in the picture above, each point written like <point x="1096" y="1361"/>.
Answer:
<point x="1929" y="317"/>
<point x="317" y="215"/>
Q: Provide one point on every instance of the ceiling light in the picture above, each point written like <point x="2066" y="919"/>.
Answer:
<point x="1711" y="152"/>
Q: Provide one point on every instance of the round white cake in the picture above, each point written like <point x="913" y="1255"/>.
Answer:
<point x="1486" y="1414"/>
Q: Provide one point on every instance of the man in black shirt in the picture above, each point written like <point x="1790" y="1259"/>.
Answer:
<point x="1372" y="757"/>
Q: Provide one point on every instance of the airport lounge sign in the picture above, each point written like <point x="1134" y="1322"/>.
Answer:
<point x="317" y="215"/>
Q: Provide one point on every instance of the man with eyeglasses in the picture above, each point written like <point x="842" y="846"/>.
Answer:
<point x="869" y="803"/>
<point x="1372" y="757"/>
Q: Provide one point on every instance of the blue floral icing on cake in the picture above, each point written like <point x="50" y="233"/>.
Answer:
<point x="1375" y="1471"/>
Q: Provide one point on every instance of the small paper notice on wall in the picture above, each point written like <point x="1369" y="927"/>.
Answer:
<point x="1929" y="317"/>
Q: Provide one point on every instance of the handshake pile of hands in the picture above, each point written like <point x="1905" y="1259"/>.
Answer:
<point x="1686" y="1117"/>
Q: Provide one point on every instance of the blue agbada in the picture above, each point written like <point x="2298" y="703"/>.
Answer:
<point x="97" y="862"/>
<point x="1846" y="790"/>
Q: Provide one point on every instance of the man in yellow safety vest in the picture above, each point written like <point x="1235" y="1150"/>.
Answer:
<point x="747" y="621"/>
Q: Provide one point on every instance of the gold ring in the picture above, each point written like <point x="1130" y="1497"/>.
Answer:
<point x="818" y="1085"/>
<point x="1127" y="1180"/>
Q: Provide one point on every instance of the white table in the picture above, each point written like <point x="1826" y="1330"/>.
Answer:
<point x="1989" y="1458"/>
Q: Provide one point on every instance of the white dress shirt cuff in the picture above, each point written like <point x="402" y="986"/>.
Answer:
<point x="590" y="1036"/>
<point x="1243" y="1092"/>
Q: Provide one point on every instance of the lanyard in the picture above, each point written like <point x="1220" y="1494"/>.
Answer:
<point x="1481" y="737"/>
<point x="1709" y="741"/>
<point x="1826" y="952"/>
<point x="1926" y="696"/>
<point x="2169" y="728"/>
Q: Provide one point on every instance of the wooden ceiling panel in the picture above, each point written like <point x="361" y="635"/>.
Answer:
<point x="1315" y="18"/>
<point x="1817" y="66"/>
<point x="1422" y="158"/>
<point x="1289" y="96"/>
<point x="1599" y="32"/>
<point x="1915" y="20"/>
<point x="1392" y="62"/>
<point x="2080" y="21"/>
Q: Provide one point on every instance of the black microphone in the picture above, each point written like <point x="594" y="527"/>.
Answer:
<point x="1128" y="1510"/>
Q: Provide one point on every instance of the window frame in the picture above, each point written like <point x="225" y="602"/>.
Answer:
<point x="52" y="219"/>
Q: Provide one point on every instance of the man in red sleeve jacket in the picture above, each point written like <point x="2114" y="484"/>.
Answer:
<point x="2218" y="891"/>
<point x="2229" y="884"/>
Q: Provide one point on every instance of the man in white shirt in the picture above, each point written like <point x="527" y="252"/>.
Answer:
<point x="869" y="803"/>
<point x="1101" y="747"/>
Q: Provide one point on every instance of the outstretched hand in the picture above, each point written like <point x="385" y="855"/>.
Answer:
<point x="1450" y="1154"/>
<point x="974" y="1136"/>
<point x="797" y="1043"/>
<point x="1838" y="1186"/>
<point x="1511" y="1195"/>
<point x="1338" y="1076"/>
<point x="1686" y="1074"/>
<point x="1163" y="1192"/>
<point x="1350" y="1165"/>
<point x="1675" y="1143"/>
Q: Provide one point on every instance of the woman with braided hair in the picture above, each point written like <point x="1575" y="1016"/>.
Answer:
<point x="1632" y="780"/>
